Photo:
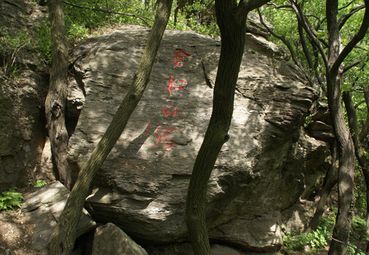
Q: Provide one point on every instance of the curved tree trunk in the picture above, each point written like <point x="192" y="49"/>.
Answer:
<point x="346" y="174"/>
<point x="346" y="154"/>
<point x="231" y="20"/>
<point x="346" y="151"/>
<point x="65" y="234"/>
<point x="359" y="149"/>
<point x="55" y="103"/>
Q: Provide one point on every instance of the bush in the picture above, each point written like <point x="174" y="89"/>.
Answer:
<point x="40" y="183"/>
<point x="321" y="237"/>
<point x="10" y="200"/>
<point x="10" y="45"/>
<point x="43" y="40"/>
<point x="313" y="240"/>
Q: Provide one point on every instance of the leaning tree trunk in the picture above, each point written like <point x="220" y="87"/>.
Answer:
<point x="231" y="20"/>
<point x="65" y="233"/>
<point x="55" y="103"/>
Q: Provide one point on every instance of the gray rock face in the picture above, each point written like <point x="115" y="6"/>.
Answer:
<point x="43" y="209"/>
<point x="142" y="185"/>
<point x="22" y="131"/>
<point x="109" y="239"/>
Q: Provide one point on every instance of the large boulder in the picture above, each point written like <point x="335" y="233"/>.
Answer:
<point x="142" y="185"/>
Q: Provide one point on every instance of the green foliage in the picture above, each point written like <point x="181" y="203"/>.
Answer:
<point x="320" y="238"/>
<point x="43" y="40"/>
<point x="11" y="43"/>
<point x="77" y="32"/>
<point x="359" y="194"/>
<point x="10" y="200"/>
<point x="198" y="16"/>
<point x="40" y="183"/>
<point x="87" y="15"/>
<point x="358" y="232"/>
<point x="353" y="250"/>
<point x="313" y="240"/>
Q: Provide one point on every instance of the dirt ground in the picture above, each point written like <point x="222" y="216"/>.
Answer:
<point x="15" y="235"/>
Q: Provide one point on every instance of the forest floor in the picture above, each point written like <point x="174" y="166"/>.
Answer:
<point x="15" y="233"/>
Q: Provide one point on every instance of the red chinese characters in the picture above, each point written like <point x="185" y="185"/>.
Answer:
<point x="170" y="111"/>
<point x="163" y="136"/>
<point x="163" y="133"/>
<point x="176" y="85"/>
<point x="179" y="57"/>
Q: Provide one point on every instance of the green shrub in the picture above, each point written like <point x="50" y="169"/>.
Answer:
<point x="353" y="250"/>
<point x="40" y="183"/>
<point x="43" y="40"/>
<point x="314" y="240"/>
<point x="321" y="237"/>
<point x="11" y="43"/>
<point x="77" y="32"/>
<point x="10" y="200"/>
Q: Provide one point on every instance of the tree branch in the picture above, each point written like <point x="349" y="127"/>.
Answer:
<point x="252" y="4"/>
<point x="146" y="23"/>
<point x="314" y="39"/>
<point x="342" y="21"/>
<point x="280" y="37"/>
<point x="355" y="40"/>
<point x="285" y="6"/>
<point x="347" y="68"/>
<point x="347" y="5"/>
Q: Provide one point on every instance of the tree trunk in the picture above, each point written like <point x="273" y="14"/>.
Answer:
<point x="359" y="150"/>
<point x="232" y="27"/>
<point x="231" y="20"/>
<point x="55" y="103"/>
<point x="65" y="233"/>
<point x="346" y="170"/>
<point x="346" y="154"/>
<point x="330" y="181"/>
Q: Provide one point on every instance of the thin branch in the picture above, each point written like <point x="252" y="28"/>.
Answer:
<point x="347" y="68"/>
<point x="347" y="5"/>
<point x="252" y="4"/>
<point x="354" y="41"/>
<point x="285" y="6"/>
<point x="146" y="23"/>
<point x="314" y="39"/>
<point x="342" y="21"/>
<point x="304" y="45"/>
<point x="280" y="37"/>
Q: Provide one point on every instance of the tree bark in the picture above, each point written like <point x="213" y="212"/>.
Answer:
<point x="359" y="150"/>
<point x="346" y="170"/>
<point x="346" y="154"/>
<point x="334" y="72"/>
<point x="65" y="234"/>
<point x="231" y="20"/>
<point x="55" y="103"/>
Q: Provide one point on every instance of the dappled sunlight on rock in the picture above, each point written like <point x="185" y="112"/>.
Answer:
<point x="142" y="185"/>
